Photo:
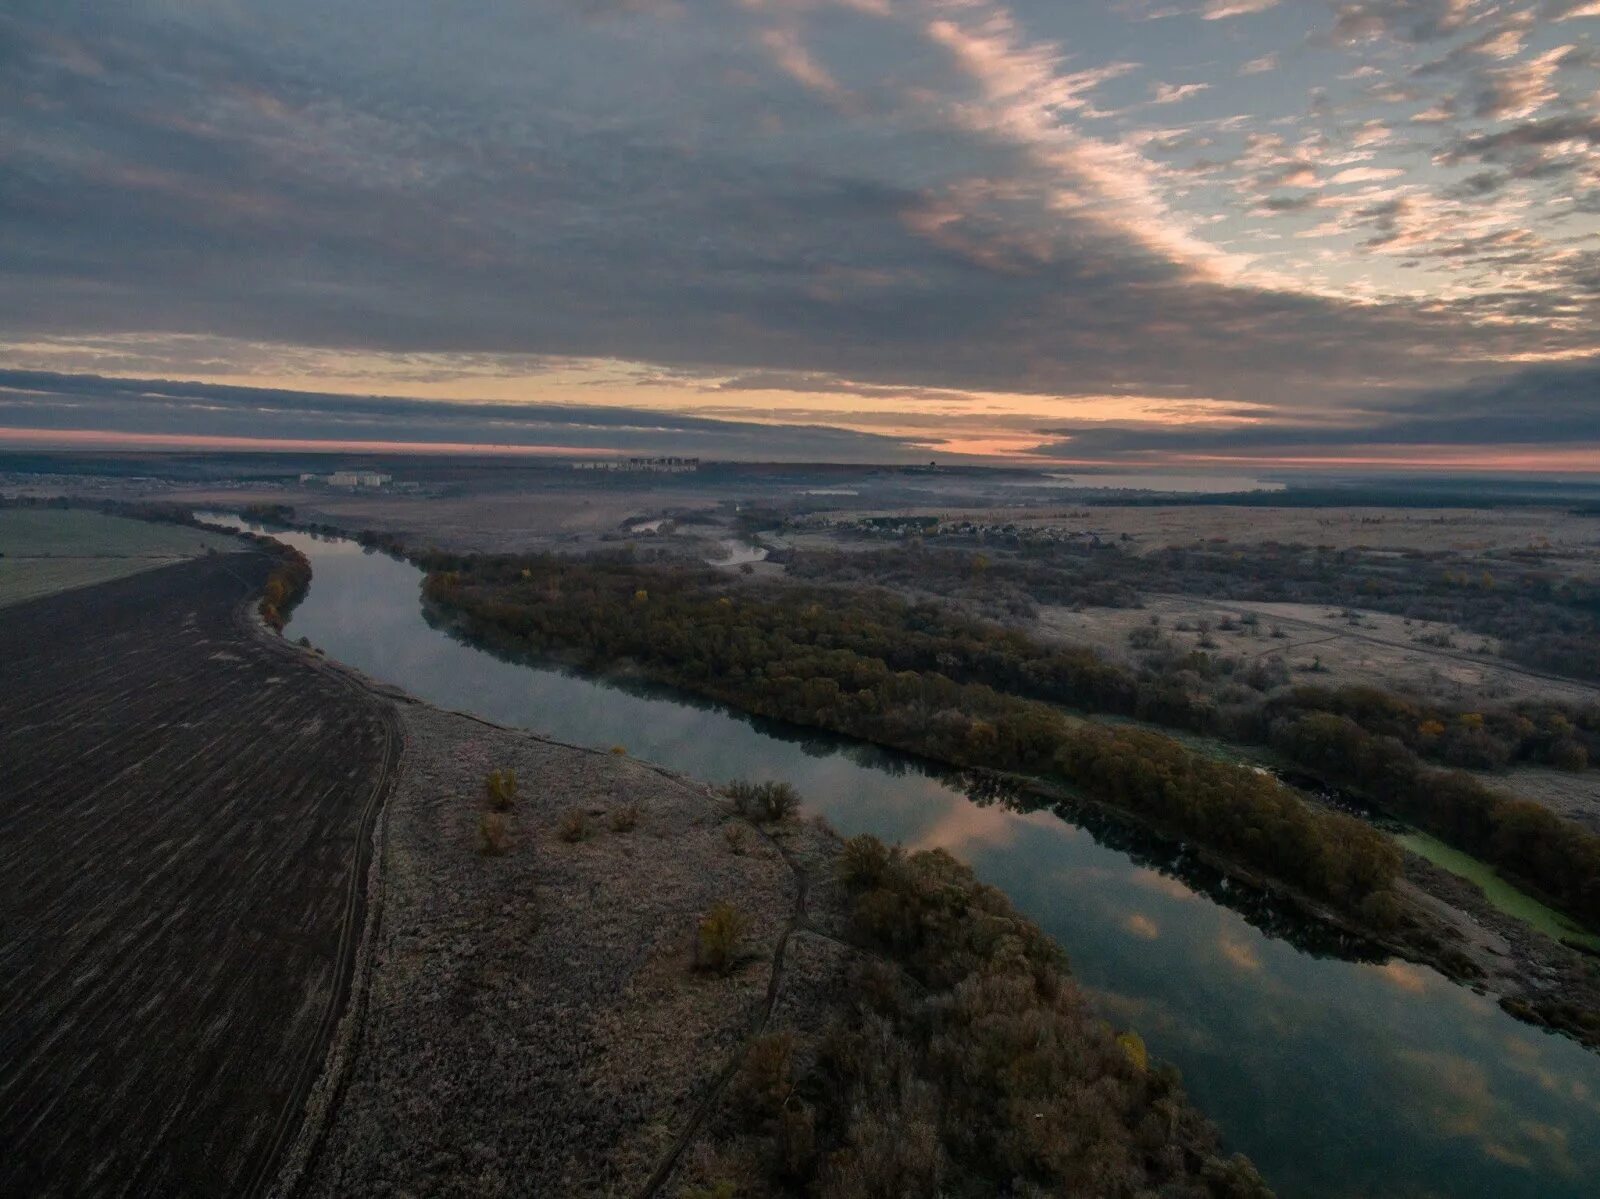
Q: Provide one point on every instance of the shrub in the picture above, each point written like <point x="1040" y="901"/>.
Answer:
<point x="765" y="1080"/>
<point x="1133" y="1045"/>
<point x="494" y="834"/>
<point x="895" y="1150"/>
<point x="624" y="818"/>
<point x="989" y="1074"/>
<point x="573" y="825"/>
<point x="285" y="586"/>
<point x="865" y="861"/>
<point x="771" y="801"/>
<point x="723" y="1189"/>
<point x="797" y="1140"/>
<point x="763" y="1093"/>
<point x="501" y="788"/>
<point x="1567" y="753"/>
<point x="716" y="942"/>
<point x="1144" y="637"/>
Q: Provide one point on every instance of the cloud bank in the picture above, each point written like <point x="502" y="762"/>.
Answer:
<point x="1316" y="209"/>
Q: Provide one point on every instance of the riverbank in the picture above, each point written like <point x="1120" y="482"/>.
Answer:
<point x="1352" y="1050"/>
<point x="536" y="1021"/>
<point x="854" y="670"/>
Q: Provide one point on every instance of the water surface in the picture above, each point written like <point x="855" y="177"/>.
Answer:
<point x="1339" y="1077"/>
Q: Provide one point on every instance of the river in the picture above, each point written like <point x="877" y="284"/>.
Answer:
<point x="1339" y="1077"/>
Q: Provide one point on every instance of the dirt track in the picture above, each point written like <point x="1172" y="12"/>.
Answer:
<point x="534" y="1025"/>
<point x="186" y="813"/>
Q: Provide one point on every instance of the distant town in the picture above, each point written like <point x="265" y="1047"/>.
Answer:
<point x="660" y="466"/>
<point x="349" y="478"/>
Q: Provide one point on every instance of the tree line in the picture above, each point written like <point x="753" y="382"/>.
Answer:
<point x="1531" y="844"/>
<point x="1544" y="616"/>
<point x="913" y="677"/>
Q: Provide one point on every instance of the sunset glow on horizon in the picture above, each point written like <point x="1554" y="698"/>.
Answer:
<point x="1289" y="234"/>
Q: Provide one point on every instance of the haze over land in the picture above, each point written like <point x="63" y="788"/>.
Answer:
<point x="1204" y="233"/>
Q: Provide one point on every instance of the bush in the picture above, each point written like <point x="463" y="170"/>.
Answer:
<point x="285" y="586"/>
<point x="770" y="802"/>
<point x="1567" y="753"/>
<point x="765" y="1080"/>
<point x="624" y="818"/>
<point x="797" y="1140"/>
<point x="573" y="825"/>
<point x="716" y="942"/>
<point x="494" y="834"/>
<point x="865" y="861"/>
<point x="722" y="1189"/>
<point x="501" y="788"/>
<point x="990" y="1074"/>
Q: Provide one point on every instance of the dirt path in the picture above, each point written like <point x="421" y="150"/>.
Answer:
<point x="798" y="922"/>
<point x="186" y="815"/>
<point x="535" y="1024"/>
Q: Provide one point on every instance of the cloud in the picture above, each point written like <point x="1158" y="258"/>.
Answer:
<point x="913" y="199"/>
<point x="1403" y="20"/>
<point x="1365" y="175"/>
<point x="1519" y="91"/>
<point x="1542" y="406"/>
<point x="1217" y="10"/>
<point x="174" y="409"/>
<point x="1536" y="137"/>
<point x="792" y="56"/>
<point x="1172" y="93"/>
<point x="1567" y="10"/>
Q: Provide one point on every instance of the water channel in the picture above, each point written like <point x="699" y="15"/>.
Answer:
<point x="1339" y="1076"/>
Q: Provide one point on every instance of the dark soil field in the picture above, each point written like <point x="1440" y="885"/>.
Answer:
<point x="186" y="816"/>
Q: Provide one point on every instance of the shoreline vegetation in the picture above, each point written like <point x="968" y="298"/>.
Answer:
<point x="285" y="587"/>
<point x="871" y="1023"/>
<point x="962" y="1058"/>
<point x="920" y="678"/>
<point x="871" y="665"/>
<point x="1269" y="834"/>
<point x="1392" y="740"/>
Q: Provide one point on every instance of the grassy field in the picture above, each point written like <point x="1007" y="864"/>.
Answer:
<point x="1373" y="648"/>
<point x="1499" y="892"/>
<point x="43" y="551"/>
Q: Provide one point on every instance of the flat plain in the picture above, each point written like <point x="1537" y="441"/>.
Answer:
<point x="184" y="845"/>
<point x="1341" y="646"/>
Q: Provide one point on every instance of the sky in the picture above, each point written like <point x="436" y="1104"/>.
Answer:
<point x="1196" y="233"/>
